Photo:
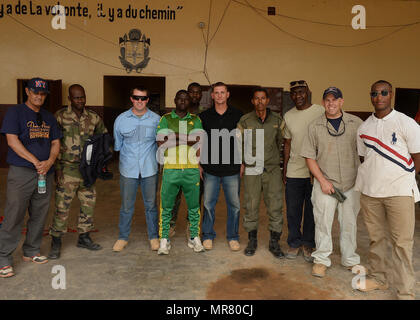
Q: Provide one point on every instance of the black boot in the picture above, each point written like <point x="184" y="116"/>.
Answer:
<point x="274" y="246"/>
<point x="252" y="243"/>
<point x="55" y="248"/>
<point x="85" y="241"/>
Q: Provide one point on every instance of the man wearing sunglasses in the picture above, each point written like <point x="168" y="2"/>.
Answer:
<point x="33" y="137"/>
<point x="135" y="139"/>
<point x="330" y="150"/>
<point x="389" y="142"/>
<point x="296" y="175"/>
<point x="78" y="124"/>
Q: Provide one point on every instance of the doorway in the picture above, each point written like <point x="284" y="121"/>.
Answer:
<point x="53" y="101"/>
<point x="240" y="97"/>
<point x="117" y="91"/>
<point x="407" y="101"/>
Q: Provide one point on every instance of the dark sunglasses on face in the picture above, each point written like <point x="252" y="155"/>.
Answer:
<point x="39" y="119"/>
<point x="298" y="82"/>
<point x="137" y="98"/>
<point x="374" y="94"/>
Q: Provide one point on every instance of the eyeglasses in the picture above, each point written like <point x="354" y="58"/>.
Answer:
<point x="339" y="133"/>
<point x="292" y="83"/>
<point x="384" y="93"/>
<point x="137" y="98"/>
<point x="39" y="119"/>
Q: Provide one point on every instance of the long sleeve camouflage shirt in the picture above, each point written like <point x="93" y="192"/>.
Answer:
<point x="75" y="133"/>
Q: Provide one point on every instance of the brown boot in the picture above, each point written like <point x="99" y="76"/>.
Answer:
<point x="119" y="245"/>
<point x="307" y="254"/>
<point x="292" y="253"/>
<point x="154" y="244"/>
<point x="318" y="270"/>
<point x="234" y="245"/>
<point x="208" y="244"/>
<point x="370" y="285"/>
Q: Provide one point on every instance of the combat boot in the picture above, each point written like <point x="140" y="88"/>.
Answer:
<point x="85" y="241"/>
<point x="55" y="248"/>
<point x="274" y="246"/>
<point x="252" y="243"/>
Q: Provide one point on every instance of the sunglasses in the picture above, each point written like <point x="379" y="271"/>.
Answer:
<point x="339" y="133"/>
<point x="39" y="119"/>
<point x="297" y="82"/>
<point x="384" y="93"/>
<point x="137" y="98"/>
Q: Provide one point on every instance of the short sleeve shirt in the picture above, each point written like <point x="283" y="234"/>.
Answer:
<point x="336" y="155"/>
<point x="296" y="124"/>
<point x="182" y="156"/>
<point x="21" y="120"/>
<point x="386" y="144"/>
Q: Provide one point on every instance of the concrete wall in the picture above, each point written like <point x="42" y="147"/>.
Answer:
<point x="247" y="48"/>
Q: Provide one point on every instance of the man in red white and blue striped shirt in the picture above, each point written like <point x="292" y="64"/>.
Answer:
<point x="389" y="142"/>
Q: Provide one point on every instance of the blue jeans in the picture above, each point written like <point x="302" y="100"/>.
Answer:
<point x="298" y="202"/>
<point x="128" y="187"/>
<point x="231" y="189"/>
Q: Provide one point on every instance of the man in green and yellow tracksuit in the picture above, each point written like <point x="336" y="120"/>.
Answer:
<point x="175" y="136"/>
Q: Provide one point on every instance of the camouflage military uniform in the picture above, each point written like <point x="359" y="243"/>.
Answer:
<point x="75" y="133"/>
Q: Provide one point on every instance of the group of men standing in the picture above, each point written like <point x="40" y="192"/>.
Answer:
<point x="204" y="150"/>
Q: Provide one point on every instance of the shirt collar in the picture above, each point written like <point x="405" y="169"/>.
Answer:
<point x="268" y="112"/>
<point x="388" y="116"/>
<point x="228" y="111"/>
<point x="70" y="111"/>
<point x="174" y="115"/>
<point x="145" y="116"/>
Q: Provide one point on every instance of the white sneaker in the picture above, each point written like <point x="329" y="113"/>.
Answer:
<point x="165" y="246"/>
<point x="196" y="245"/>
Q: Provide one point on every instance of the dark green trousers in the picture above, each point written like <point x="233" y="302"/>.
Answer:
<point x="271" y="185"/>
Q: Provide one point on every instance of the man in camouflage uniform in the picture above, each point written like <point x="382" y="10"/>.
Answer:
<point x="264" y="174"/>
<point x="77" y="124"/>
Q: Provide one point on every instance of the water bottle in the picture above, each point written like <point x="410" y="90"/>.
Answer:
<point x="42" y="183"/>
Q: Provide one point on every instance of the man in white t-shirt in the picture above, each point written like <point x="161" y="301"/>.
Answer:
<point x="296" y="176"/>
<point x="389" y="141"/>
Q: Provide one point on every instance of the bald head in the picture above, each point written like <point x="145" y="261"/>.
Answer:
<point x="77" y="97"/>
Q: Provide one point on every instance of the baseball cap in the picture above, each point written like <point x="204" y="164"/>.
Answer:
<point x="298" y="83"/>
<point x="37" y="85"/>
<point x="334" y="91"/>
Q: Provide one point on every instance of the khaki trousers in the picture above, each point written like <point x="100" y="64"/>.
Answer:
<point x="324" y="207"/>
<point x="396" y="216"/>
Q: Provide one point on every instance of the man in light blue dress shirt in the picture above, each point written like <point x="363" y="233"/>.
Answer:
<point x="135" y="139"/>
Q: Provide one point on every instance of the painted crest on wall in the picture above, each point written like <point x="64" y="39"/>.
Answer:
<point x="134" y="50"/>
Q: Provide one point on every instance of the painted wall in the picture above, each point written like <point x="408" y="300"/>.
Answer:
<point x="248" y="48"/>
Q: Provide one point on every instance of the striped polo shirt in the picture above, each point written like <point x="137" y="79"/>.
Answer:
<point x="386" y="144"/>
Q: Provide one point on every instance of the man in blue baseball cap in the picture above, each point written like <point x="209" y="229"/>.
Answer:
<point x="33" y="137"/>
<point x="330" y="150"/>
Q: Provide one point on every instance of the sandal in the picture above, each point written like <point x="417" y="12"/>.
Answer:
<point x="6" y="272"/>
<point x="36" y="259"/>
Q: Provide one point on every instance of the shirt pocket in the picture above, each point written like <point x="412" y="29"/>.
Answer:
<point x="130" y="135"/>
<point x="149" y="134"/>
